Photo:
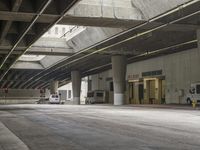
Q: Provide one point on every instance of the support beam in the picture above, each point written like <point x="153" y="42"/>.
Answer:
<point x="76" y="86"/>
<point x="89" y="21"/>
<point x="50" y="51"/>
<point x="6" y="25"/>
<point x="42" y="29"/>
<point x="54" y="87"/>
<point x="119" y="78"/>
<point x="42" y="51"/>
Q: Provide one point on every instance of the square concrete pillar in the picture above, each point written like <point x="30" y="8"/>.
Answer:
<point x="119" y="78"/>
<point x="54" y="87"/>
<point x="76" y="86"/>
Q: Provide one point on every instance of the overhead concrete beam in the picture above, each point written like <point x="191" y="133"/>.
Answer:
<point x="44" y="46"/>
<point x="51" y="42"/>
<point x="69" y="19"/>
<point x="126" y="9"/>
<point x="117" y="9"/>
<point x="27" y="65"/>
<point x="49" y="51"/>
<point x="91" y="36"/>
<point x="84" y="21"/>
<point x="50" y="60"/>
<point x="42" y="51"/>
<point x="6" y="25"/>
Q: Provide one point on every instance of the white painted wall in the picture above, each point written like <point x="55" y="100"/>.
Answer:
<point x="99" y="80"/>
<point x="180" y="70"/>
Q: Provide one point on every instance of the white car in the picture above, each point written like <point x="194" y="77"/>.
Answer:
<point x="54" y="99"/>
<point x="194" y="93"/>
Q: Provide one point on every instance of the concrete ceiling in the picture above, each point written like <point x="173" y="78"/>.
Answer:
<point x="20" y="34"/>
<point x="168" y="33"/>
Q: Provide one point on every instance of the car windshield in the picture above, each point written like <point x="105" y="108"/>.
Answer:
<point x="91" y="94"/>
<point x="54" y="96"/>
<point x="99" y="94"/>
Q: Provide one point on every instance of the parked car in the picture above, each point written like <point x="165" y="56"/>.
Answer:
<point x="194" y="93"/>
<point x="54" y="99"/>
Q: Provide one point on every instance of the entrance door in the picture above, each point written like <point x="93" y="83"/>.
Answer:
<point x="141" y="92"/>
<point x="131" y="92"/>
<point x="163" y="92"/>
<point x="151" y="91"/>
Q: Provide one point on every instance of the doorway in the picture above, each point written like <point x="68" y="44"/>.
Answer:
<point x="163" y="83"/>
<point x="141" y="92"/>
<point x="136" y="92"/>
<point x="152" y="90"/>
<point x="131" y="92"/>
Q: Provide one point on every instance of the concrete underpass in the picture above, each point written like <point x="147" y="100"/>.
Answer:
<point x="99" y="75"/>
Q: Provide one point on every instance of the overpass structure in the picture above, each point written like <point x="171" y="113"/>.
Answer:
<point x="112" y="38"/>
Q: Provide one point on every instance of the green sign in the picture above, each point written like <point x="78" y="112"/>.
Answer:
<point x="152" y="73"/>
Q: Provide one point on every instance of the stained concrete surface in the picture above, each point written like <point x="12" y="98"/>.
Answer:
<point x="97" y="127"/>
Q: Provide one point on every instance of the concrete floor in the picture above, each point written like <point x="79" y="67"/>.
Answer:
<point x="65" y="127"/>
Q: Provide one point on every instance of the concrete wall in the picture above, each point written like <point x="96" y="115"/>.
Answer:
<point x="19" y="96"/>
<point x="99" y="80"/>
<point x="180" y="70"/>
<point x="102" y="81"/>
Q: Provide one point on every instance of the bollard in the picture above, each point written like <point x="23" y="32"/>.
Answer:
<point x="194" y="104"/>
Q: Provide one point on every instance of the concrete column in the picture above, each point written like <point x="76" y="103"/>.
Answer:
<point x="76" y="86"/>
<point x="119" y="78"/>
<point x="54" y="87"/>
<point x="198" y="38"/>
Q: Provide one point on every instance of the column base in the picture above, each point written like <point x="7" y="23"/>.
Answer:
<point x="76" y="100"/>
<point x="118" y="99"/>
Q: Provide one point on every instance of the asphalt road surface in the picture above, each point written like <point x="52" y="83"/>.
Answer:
<point x="98" y="127"/>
